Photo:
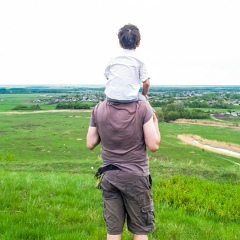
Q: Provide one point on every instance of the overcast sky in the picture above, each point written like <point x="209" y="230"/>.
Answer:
<point x="184" y="42"/>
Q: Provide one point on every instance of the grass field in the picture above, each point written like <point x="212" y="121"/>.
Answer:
<point x="9" y="101"/>
<point x="47" y="184"/>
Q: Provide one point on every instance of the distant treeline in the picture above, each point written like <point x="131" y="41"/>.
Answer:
<point x="73" y="106"/>
<point x="24" y="107"/>
<point x="48" y="90"/>
<point x="159" y="89"/>
<point x="174" y="111"/>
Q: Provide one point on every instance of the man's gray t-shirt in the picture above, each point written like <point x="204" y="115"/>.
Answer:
<point x="120" y="127"/>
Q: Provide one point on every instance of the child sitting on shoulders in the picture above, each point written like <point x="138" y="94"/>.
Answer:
<point x="127" y="72"/>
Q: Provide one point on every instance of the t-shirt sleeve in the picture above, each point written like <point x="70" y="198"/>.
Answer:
<point x="107" y="72"/>
<point x="143" y="73"/>
<point x="147" y="112"/>
<point x="93" y="119"/>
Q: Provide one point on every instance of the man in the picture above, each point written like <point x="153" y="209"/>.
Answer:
<point x="124" y="131"/>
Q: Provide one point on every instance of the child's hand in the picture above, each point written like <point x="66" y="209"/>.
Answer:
<point x="146" y="96"/>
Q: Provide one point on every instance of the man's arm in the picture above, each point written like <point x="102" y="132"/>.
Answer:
<point x="152" y="134"/>
<point x="93" y="138"/>
<point x="146" y="86"/>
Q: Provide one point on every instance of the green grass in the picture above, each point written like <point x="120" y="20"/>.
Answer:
<point x="48" y="206"/>
<point x="207" y="197"/>
<point x="219" y="110"/>
<point x="66" y="206"/>
<point x="9" y="101"/>
<point x="47" y="184"/>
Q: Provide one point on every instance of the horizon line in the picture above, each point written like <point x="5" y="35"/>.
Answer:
<point x="103" y="85"/>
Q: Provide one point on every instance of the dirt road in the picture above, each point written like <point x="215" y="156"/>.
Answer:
<point x="46" y="111"/>
<point x="206" y="123"/>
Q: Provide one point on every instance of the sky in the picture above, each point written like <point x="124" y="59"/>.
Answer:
<point x="183" y="42"/>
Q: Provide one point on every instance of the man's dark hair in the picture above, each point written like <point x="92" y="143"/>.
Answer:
<point x="129" y="36"/>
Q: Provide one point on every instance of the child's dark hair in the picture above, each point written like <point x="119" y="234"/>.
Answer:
<point x="129" y="36"/>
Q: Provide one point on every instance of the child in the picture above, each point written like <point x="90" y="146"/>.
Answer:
<point x="126" y="72"/>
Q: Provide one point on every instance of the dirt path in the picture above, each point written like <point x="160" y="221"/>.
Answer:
<point x="224" y="148"/>
<point x="46" y="111"/>
<point x="206" y="123"/>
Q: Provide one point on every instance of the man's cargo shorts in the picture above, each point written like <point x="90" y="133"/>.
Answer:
<point x="127" y="196"/>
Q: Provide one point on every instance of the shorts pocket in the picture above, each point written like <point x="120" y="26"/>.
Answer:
<point x="148" y="214"/>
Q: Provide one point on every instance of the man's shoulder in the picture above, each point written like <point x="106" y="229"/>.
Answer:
<point x="143" y="104"/>
<point x="100" y="104"/>
<point x="145" y="109"/>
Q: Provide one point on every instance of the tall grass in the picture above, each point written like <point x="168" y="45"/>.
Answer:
<point x="66" y="206"/>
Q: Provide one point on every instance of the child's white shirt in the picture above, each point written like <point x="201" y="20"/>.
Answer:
<point x="125" y="74"/>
